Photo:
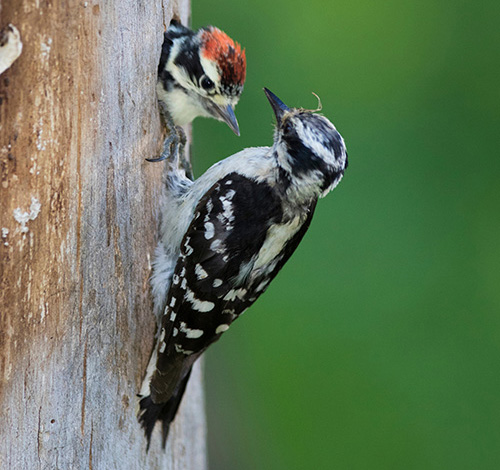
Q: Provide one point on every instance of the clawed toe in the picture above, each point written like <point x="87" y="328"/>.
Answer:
<point x="158" y="159"/>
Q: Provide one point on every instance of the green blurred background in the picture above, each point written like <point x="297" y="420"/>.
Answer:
<point x="378" y="345"/>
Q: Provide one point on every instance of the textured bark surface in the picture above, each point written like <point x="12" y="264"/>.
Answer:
<point x="78" y="216"/>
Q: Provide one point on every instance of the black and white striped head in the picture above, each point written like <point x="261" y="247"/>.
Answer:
<point x="310" y="151"/>
<point x="201" y="74"/>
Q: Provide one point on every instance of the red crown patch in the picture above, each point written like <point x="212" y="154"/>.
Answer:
<point x="231" y="59"/>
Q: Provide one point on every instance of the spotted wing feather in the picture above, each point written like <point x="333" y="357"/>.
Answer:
<point x="215" y="278"/>
<point x="227" y="230"/>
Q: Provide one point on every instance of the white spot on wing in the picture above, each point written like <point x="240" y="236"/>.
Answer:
<point x="188" y="248"/>
<point x="210" y="206"/>
<point x="191" y="333"/>
<point x="234" y="294"/>
<point x="217" y="246"/>
<point x="200" y="305"/>
<point x="163" y="346"/>
<point x="221" y="328"/>
<point x="217" y="282"/>
<point x="179" y="349"/>
<point x="200" y="272"/>
<point x="230" y="194"/>
<point x="209" y="230"/>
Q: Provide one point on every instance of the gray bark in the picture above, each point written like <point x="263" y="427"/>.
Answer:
<point x="79" y="217"/>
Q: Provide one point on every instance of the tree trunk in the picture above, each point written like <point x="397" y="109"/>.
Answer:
<point x="79" y="215"/>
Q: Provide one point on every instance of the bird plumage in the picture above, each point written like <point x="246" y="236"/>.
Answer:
<point x="201" y="73"/>
<point x="236" y="226"/>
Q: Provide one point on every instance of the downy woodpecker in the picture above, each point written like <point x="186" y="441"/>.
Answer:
<point x="235" y="227"/>
<point x="201" y="73"/>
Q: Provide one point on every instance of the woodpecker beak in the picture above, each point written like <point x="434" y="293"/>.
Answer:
<point x="226" y="114"/>
<point x="278" y="106"/>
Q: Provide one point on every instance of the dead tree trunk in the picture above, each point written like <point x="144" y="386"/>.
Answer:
<point x="78" y="216"/>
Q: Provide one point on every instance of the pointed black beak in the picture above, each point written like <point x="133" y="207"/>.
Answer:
<point x="278" y="106"/>
<point x="226" y="114"/>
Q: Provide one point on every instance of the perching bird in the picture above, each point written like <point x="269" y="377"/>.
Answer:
<point x="201" y="73"/>
<point x="235" y="227"/>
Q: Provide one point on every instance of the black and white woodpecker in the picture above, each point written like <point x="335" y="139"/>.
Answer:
<point x="201" y="73"/>
<point x="236" y="226"/>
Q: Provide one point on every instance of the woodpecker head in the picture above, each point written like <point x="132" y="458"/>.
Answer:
<point x="308" y="148"/>
<point x="201" y="74"/>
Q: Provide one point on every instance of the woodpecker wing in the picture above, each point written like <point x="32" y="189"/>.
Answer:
<point x="228" y="257"/>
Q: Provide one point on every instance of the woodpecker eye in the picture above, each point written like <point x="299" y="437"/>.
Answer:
<point x="206" y="83"/>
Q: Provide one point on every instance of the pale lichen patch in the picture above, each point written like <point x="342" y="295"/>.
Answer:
<point x="5" y="233"/>
<point x="23" y="217"/>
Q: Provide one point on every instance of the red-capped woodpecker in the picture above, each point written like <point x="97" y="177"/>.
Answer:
<point x="234" y="228"/>
<point x="201" y="73"/>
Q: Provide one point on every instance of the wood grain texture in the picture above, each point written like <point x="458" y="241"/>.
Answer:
<point x="78" y="217"/>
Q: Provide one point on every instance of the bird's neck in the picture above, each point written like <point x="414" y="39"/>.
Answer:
<point x="300" y="185"/>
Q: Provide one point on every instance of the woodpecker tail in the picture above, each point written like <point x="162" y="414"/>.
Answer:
<point x="151" y="412"/>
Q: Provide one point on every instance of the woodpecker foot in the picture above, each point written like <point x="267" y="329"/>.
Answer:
<point x="170" y="147"/>
<point x="171" y="143"/>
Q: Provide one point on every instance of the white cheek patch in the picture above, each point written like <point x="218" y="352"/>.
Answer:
<point x="182" y="107"/>
<point x="315" y="140"/>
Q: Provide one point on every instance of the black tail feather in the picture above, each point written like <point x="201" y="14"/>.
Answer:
<point x="151" y="412"/>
